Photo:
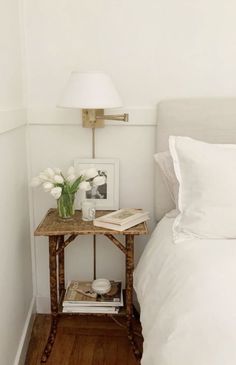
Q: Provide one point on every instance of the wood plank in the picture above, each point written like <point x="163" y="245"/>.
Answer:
<point x="82" y="340"/>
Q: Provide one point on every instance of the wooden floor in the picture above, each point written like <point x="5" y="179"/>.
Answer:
<point x="82" y="340"/>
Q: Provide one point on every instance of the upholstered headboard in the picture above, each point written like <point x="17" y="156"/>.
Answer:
<point x="210" y="120"/>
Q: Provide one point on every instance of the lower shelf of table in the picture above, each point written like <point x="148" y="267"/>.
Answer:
<point x="122" y="311"/>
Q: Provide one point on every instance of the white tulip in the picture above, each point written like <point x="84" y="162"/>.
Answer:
<point x="36" y="181"/>
<point x="82" y="173"/>
<point x="58" y="179"/>
<point x="90" y="173"/>
<point x="71" y="178"/>
<point x="71" y="171"/>
<point x="44" y="177"/>
<point x="56" y="192"/>
<point x="47" y="186"/>
<point x="85" y="186"/>
<point x="57" y="170"/>
<point x="99" y="180"/>
<point x="49" y="172"/>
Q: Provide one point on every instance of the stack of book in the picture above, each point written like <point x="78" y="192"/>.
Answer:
<point x="121" y="219"/>
<point x="80" y="298"/>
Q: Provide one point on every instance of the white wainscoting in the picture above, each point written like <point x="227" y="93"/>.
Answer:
<point x="15" y="260"/>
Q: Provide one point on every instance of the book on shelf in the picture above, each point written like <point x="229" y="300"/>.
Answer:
<point x="80" y="294"/>
<point x="88" y="309"/>
<point x="122" y="219"/>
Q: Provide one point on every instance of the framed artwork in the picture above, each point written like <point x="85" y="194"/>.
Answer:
<point x="106" y="195"/>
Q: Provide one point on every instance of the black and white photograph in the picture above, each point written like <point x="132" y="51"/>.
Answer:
<point x="98" y="191"/>
<point x="105" y="194"/>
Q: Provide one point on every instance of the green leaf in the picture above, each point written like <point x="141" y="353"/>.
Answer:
<point x="75" y="185"/>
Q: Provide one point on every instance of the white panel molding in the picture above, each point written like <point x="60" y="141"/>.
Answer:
<point x="43" y="304"/>
<point x="138" y="116"/>
<point x="12" y="118"/>
<point x="31" y="210"/>
<point x="26" y="334"/>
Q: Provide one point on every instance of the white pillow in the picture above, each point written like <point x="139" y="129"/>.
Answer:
<point x="207" y="192"/>
<point x="165" y="162"/>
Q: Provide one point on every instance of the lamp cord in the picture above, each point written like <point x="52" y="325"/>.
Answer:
<point x="94" y="236"/>
<point x="93" y="142"/>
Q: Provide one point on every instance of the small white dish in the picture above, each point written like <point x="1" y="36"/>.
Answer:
<point x="101" y="286"/>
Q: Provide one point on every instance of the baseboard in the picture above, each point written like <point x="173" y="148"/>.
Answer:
<point x="26" y="333"/>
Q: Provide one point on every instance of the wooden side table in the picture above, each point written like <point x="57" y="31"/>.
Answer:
<point x="61" y="233"/>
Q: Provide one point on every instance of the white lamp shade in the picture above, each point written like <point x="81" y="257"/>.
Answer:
<point x="90" y="91"/>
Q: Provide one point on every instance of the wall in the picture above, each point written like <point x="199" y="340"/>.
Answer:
<point x="16" y="303"/>
<point x="153" y="50"/>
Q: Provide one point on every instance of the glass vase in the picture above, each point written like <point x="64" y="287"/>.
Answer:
<point x="88" y="209"/>
<point x="65" y="205"/>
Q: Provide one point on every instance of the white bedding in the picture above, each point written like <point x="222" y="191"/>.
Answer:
<point x="187" y="294"/>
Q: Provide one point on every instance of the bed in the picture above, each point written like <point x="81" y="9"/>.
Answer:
<point x="187" y="291"/>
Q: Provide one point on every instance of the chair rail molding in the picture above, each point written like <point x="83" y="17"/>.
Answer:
<point x="138" y="116"/>
<point x="12" y="118"/>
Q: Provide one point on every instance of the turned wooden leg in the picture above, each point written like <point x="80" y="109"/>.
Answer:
<point x="129" y="292"/>
<point x="53" y="294"/>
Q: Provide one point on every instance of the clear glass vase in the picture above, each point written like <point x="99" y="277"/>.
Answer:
<point x="65" y="205"/>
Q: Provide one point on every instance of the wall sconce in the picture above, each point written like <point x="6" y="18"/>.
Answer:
<point x="92" y="92"/>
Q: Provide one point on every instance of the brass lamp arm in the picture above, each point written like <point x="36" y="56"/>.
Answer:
<point x="120" y="117"/>
<point x="94" y="118"/>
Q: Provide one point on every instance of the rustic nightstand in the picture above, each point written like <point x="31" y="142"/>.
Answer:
<point x="57" y="229"/>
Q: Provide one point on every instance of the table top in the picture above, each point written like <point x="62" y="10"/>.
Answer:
<point x="53" y="225"/>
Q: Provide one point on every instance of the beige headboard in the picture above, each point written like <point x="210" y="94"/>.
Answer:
<point x="210" y="120"/>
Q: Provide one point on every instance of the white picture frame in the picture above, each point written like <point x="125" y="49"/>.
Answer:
<point x="107" y="194"/>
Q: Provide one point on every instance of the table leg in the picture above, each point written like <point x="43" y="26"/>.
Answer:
<point x="54" y="300"/>
<point x="129" y="292"/>
<point x="61" y="267"/>
<point x="129" y="281"/>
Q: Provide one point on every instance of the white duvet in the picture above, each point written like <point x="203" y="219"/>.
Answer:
<point x="187" y="294"/>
